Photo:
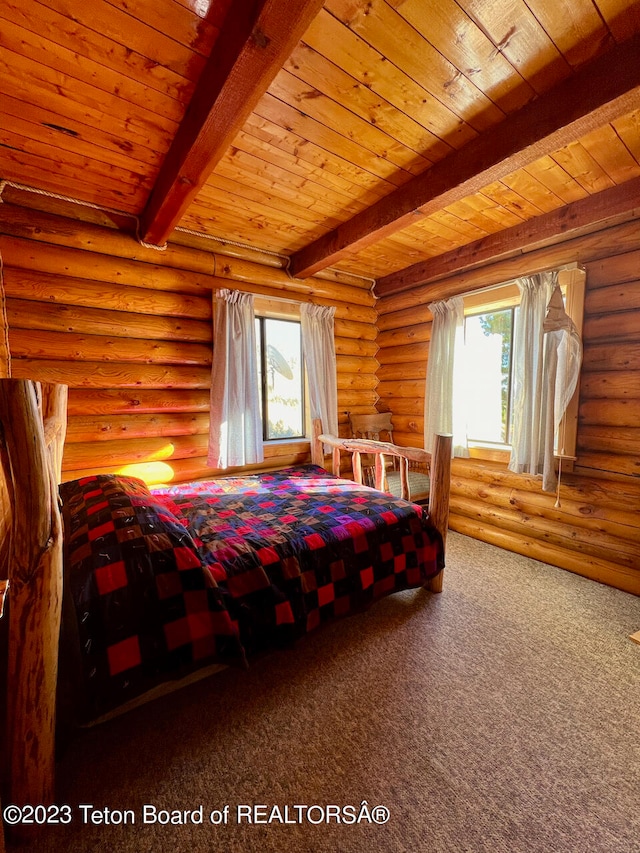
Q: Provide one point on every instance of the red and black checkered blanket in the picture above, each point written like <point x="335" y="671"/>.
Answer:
<point x="164" y="582"/>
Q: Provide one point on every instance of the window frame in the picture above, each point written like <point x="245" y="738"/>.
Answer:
<point x="478" y="312"/>
<point x="268" y="308"/>
<point x="572" y="280"/>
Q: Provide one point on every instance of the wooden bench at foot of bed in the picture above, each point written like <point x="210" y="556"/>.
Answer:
<point x="438" y="463"/>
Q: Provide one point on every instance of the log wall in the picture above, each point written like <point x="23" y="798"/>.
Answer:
<point x="596" y="530"/>
<point x="129" y="329"/>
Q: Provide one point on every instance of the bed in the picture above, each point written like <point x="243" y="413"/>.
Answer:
<point x="160" y="582"/>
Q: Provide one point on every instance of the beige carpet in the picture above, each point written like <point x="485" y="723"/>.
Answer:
<point x="502" y="715"/>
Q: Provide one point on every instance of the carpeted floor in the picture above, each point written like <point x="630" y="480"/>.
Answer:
<point x="502" y="716"/>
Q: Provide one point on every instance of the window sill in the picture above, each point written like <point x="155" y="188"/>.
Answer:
<point x="282" y="442"/>
<point x="491" y="454"/>
<point x="498" y="454"/>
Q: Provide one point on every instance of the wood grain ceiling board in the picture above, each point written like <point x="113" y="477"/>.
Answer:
<point x="519" y="37"/>
<point x="565" y="176"/>
<point x="61" y="27"/>
<point x="622" y="17"/>
<point x="375" y="93"/>
<point x="336" y="62"/>
<point x="281" y="163"/>
<point x="369" y="69"/>
<point x="93" y="93"/>
<point x="628" y="129"/>
<point x="255" y="40"/>
<point x="327" y="111"/>
<point x="403" y="46"/>
<point x="310" y="158"/>
<point x="580" y="97"/>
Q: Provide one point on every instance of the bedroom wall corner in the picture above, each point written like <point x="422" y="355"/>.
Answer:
<point x="596" y="529"/>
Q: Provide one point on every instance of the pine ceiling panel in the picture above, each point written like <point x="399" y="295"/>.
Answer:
<point x="327" y="111"/>
<point x="558" y="181"/>
<point x="577" y="161"/>
<point x="598" y="161"/>
<point x="370" y="69"/>
<point x="456" y="36"/>
<point x="251" y="224"/>
<point x="62" y="28"/>
<point x="173" y="48"/>
<point x="294" y="204"/>
<point x="196" y="26"/>
<point x="622" y="17"/>
<point x="575" y="26"/>
<point x="93" y="93"/>
<point x="283" y="164"/>
<point x="518" y="35"/>
<point x="628" y="129"/>
<point x="386" y="31"/>
<point x="608" y="150"/>
<point x="338" y="171"/>
<point x="315" y="69"/>
<point x="330" y="139"/>
<point x="321" y="89"/>
<point x="375" y="94"/>
<point x="515" y="202"/>
<point x="527" y="184"/>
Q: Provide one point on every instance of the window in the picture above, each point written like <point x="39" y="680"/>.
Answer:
<point x="489" y="338"/>
<point x="281" y="378"/>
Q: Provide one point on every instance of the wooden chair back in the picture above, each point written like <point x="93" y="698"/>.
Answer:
<point x="374" y="427"/>
<point x="378" y="427"/>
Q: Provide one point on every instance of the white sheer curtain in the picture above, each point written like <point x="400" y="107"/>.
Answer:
<point x="235" y="431"/>
<point x="531" y="402"/>
<point x="562" y="360"/>
<point x="441" y="396"/>
<point x="318" y="344"/>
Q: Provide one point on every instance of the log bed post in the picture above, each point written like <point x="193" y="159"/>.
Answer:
<point x="439" y="495"/>
<point x="317" y="450"/>
<point x="33" y="558"/>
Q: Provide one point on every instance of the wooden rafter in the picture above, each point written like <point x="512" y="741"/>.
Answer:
<point x="254" y="42"/>
<point x="595" y="95"/>
<point x="611" y="206"/>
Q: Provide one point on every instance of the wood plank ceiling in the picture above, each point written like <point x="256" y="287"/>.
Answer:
<point x="382" y="137"/>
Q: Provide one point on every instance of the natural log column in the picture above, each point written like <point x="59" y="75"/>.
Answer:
<point x="440" y="484"/>
<point x="5" y="353"/>
<point x="53" y="407"/>
<point x="35" y="584"/>
<point x="6" y="518"/>
<point x="317" y="450"/>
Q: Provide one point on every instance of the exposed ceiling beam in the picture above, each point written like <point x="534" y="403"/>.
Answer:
<point x="596" y="94"/>
<point x="609" y="207"/>
<point x="255" y="40"/>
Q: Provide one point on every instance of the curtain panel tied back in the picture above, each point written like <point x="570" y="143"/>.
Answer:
<point x="235" y="431"/>
<point x="547" y="360"/>
<point x="318" y="343"/>
<point x="442" y="391"/>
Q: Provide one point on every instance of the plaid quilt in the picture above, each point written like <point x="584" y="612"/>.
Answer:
<point x="165" y="581"/>
<point x="138" y="608"/>
<point x="298" y="547"/>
